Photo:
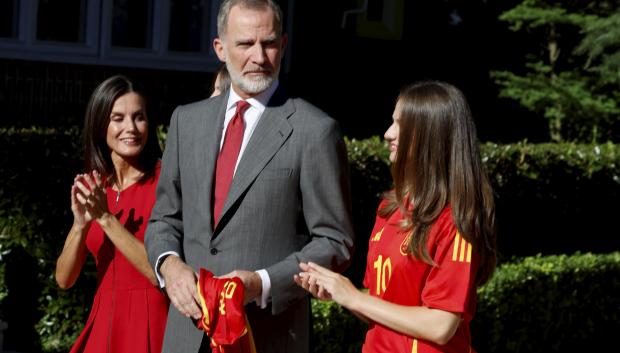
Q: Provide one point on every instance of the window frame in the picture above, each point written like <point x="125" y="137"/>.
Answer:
<point x="97" y="48"/>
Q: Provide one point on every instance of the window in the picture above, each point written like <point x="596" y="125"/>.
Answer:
<point x="189" y="26"/>
<point x="132" y="23"/>
<point x="61" y="21"/>
<point x="165" y="34"/>
<point x="8" y="19"/>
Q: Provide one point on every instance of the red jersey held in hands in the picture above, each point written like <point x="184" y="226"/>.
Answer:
<point x="223" y="315"/>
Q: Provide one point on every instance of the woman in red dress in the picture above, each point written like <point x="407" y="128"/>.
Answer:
<point x="111" y="205"/>
<point x="434" y="235"/>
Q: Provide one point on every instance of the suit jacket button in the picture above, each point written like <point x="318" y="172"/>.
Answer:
<point x="214" y="251"/>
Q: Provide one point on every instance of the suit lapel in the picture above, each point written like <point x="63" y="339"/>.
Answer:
<point x="272" y="130"/>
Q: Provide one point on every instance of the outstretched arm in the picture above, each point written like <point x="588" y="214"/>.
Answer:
<point x="417" y="321"/>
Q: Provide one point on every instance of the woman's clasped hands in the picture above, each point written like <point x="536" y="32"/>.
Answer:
<point x="88" y="198"/>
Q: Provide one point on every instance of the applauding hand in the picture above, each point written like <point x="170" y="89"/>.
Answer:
<point x="89" y="196"/>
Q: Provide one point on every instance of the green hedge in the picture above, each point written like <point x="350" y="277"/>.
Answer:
<point x="335" y="330"/>
<point x="551" y="199"/>
<point x="537" y="304"/>
<point x="551" y="304"/>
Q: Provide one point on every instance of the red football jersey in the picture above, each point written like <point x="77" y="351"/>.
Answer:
<point x="395" y="276"/>
<point x="223" y="314"/>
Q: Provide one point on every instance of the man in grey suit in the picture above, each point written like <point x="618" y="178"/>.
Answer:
<point x="288" y="201"/>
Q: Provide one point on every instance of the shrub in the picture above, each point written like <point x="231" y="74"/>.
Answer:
<point x="335" y="330"/>
<point x="37" y="167"/>
<point x="370" y="176"/>
<point x="550" y="304"/>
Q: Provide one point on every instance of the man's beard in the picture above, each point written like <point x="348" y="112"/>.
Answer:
<point x="251" y="85"/>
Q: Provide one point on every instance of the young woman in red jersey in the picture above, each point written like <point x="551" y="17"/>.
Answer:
<point x="434" y="237"/>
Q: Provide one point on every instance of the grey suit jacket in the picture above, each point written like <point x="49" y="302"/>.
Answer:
<point x="289" y="202"/>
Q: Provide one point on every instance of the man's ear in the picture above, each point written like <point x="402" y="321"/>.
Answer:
<point x="218" y="46"/>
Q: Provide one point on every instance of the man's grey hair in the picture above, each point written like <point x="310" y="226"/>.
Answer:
<point x="222" y="15"/>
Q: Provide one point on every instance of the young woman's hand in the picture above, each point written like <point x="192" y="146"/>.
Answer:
<point x="326" y="285"/>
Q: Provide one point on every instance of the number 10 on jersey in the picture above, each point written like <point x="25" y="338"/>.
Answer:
<point x="384" y="272"/>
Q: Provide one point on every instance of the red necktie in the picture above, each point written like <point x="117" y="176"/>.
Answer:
<point x="227" y="159"/>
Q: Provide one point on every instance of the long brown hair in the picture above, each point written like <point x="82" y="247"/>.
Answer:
<point x="96" y="151"/>
<point x="438" y="164"/>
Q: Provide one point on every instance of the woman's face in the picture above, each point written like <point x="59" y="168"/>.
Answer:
<point x="128" y="127"/>
<point x="391" y="135"/>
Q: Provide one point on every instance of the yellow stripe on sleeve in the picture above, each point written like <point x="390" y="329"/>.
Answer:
<point x="455" y="251"/>
<point x="414" y="346"/>
<point x="468" y="252"/>
<point x="377" y="236"/>
<point x="463" y="244"/>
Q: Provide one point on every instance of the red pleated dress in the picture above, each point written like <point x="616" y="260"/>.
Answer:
<point x="128" y="313"/>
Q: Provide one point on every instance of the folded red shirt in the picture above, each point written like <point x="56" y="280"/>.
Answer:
<point x="223" y="315"/>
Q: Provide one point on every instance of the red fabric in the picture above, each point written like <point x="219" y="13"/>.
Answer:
<point x="223" y="315"/>
<point x="128" y="313"/>
<point x="227" y="159"/>
<point x="395" y="276"/>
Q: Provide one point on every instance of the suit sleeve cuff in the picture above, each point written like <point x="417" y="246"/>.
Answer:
<point x="160" y="260"/>
<point x="266" y="293"/>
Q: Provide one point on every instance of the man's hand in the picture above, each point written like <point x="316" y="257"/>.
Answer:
<point x="251" y="281"/>
<point x="181" y="286"/>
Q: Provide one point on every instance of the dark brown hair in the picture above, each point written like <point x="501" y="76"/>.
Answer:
<point x="437" y="165"/>
<point x="224" y="76"/>
<point x="96" y="151"/>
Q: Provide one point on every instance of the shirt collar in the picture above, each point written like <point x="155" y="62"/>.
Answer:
<point x="259" y="101"/>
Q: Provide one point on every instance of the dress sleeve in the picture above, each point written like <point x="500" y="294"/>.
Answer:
<point x="451" y="283"/>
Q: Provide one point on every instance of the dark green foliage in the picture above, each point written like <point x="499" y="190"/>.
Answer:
<point x="601" y="43"/>
<point x="554" y="80"/>
<point x="64" y="312"/>
<point x="550" y="304"/>
<point x="37" y="167"/>
<point x="555" y="198"/>
<point x="536" y="304"/>
<point x="370" y="176"/>
<point x="336" y="330"/>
